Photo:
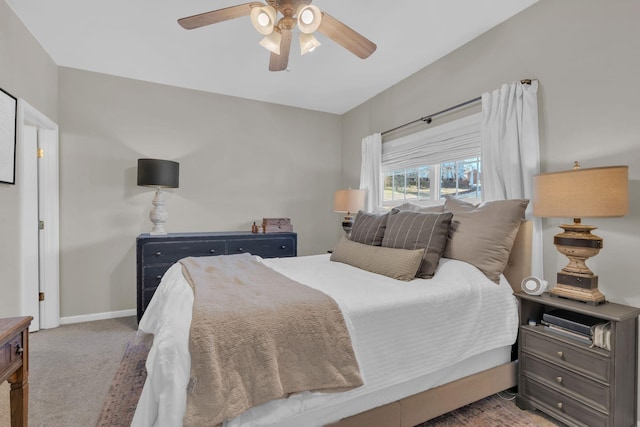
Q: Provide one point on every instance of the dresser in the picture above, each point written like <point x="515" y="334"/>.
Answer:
<point x="155" y="254"/>
<point x="572" y="381"/>
<point x="14" y="365"/>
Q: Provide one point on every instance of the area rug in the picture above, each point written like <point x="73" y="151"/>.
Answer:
<point x="122" y="398"/>
<point x="494" y="411"/>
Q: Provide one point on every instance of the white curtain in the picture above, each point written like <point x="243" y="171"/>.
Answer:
<point x="511" y="151"/>
<point x="370" y="172"/>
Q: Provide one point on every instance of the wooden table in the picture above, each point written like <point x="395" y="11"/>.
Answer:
<point x="14" y="365"/>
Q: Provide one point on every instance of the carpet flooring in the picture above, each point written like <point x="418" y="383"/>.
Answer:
<point x="494" y="411"/>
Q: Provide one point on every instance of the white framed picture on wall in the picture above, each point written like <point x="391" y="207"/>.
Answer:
<point x="8" y="110"/>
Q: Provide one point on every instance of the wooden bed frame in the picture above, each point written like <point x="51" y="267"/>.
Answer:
<point x="421" y="407"/>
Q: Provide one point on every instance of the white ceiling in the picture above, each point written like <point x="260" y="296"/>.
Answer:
<point x="141" y="39"/>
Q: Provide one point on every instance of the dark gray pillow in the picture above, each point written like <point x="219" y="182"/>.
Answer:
<point x="416" y="230"/>
<point x="368" y="228"/>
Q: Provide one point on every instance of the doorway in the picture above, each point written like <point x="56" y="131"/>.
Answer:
<point x="37" y="176"/>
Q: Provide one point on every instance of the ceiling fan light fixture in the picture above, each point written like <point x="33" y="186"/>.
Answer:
<point x="271" y="42"/>
<point x="309" y="18"/>
<point x="264" y="19"/>
<point x="308" y="43"/>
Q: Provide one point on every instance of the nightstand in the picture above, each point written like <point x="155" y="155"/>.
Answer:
<point x="572" y="381"/>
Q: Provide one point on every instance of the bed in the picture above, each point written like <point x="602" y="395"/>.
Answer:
<point x="417" y="360"/>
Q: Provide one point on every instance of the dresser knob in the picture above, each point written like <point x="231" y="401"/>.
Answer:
<point x="19" y="350"/>
<point x="559" y="379"/>
<point x="213" y="251"/>
<point x="158" y="253"/>
<point x="159" y="276"/>
<point x="283" y="247"/>
<point x="240" y="249"/>
<point x="560" y="354"/>
<point x="559" y="405"/>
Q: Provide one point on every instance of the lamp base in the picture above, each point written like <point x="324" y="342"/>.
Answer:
<point x="158" y="214"/>
<point x="590" y="296"/>
<point x="347" y="224"/>
<point x="576" y="281"/>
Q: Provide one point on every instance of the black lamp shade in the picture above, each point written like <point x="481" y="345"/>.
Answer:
<point x="158" y="173"/>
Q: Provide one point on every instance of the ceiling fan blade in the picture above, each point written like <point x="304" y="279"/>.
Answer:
<point x="280" y="62"/>
<point x="346" y="37"/>
<point x="215" y="16"/>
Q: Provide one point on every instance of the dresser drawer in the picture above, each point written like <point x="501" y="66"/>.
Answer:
<point x="266" y="248"/>
<point x="563" y="405"/>
<point x="171" y="252"/>
<point x="595" y="393"/>
<point x="151" y="276"/>
<point x="564" y="354"/>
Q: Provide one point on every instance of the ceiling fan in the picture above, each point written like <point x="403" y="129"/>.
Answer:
<point x="278" y="32"/>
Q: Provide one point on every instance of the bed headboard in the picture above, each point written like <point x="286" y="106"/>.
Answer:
<point x="519" y="265"/>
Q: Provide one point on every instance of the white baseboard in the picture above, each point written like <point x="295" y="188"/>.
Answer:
<point x="97" y="316"/>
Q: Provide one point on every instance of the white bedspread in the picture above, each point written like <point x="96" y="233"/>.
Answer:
<point x="401" y="331"/>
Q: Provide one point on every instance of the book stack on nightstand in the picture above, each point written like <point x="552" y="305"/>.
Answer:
<point x="579" y="327"/>
<point x="567" y="366"/>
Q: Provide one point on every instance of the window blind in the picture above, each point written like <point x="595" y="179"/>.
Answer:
<point x="456" y="140"/>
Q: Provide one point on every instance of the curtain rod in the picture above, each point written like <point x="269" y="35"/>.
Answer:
<point x="427" y="119"/>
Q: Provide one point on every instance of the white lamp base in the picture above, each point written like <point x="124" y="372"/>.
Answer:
<point x="158" y="214"/>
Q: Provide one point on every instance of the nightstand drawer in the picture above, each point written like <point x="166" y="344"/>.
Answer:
<point x="266" y="248"/>
<point x="562" y="380"/>
<point x="9" y="353"/>
<point x="562" y="405"/>
<point x="553" y="349"/>
<point x="171" y="252"/>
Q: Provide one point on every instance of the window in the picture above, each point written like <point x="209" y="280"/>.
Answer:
<point x="427" y="166"/>
<point x="456" y="178"/>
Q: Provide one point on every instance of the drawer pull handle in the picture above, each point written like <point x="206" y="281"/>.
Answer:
<point x="559" y="405"/>
<point x="159" y="276"/>
<point x="559" y="379"/>
<point x="240" y="249"/>
<point x="19" y="349"/>
<point x="560" y="354"/>
<point x="158" y="253"/>
<point x="213" y="251"/>
<point x="283" y="247"/>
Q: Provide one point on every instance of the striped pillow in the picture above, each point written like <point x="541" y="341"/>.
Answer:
<point x="368" y="229"/>
<point x="418" y="230"/>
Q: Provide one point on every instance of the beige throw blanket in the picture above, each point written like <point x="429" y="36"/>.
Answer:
<point x="256" y="336"/>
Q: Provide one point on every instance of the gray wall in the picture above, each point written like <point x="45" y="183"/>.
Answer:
<point x="585" y="54"/>
<point x="27" y="72"/>
<point x="240" y="161"/>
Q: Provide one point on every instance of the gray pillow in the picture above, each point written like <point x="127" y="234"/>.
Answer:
<point x="414" y="230"/>
<point x="395" y="263"/>
<point x="368" y="228"/>
<point x="483" y="234"/>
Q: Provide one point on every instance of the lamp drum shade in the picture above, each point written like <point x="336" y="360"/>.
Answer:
<point x="348" y="201"/>
<point x="582" y="193"/>
<point x="158" y="173"/>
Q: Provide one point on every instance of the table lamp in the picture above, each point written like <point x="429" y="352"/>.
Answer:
<point x="348" y="201"/>
<point x="580" y="193"/>
<point x="160" y="174"/>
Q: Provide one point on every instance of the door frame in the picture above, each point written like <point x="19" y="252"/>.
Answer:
<point x="46" y="277"/>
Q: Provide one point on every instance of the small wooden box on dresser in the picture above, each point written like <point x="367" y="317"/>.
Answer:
<point x="575" y="383"/>
<point x="155" y="254"/>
